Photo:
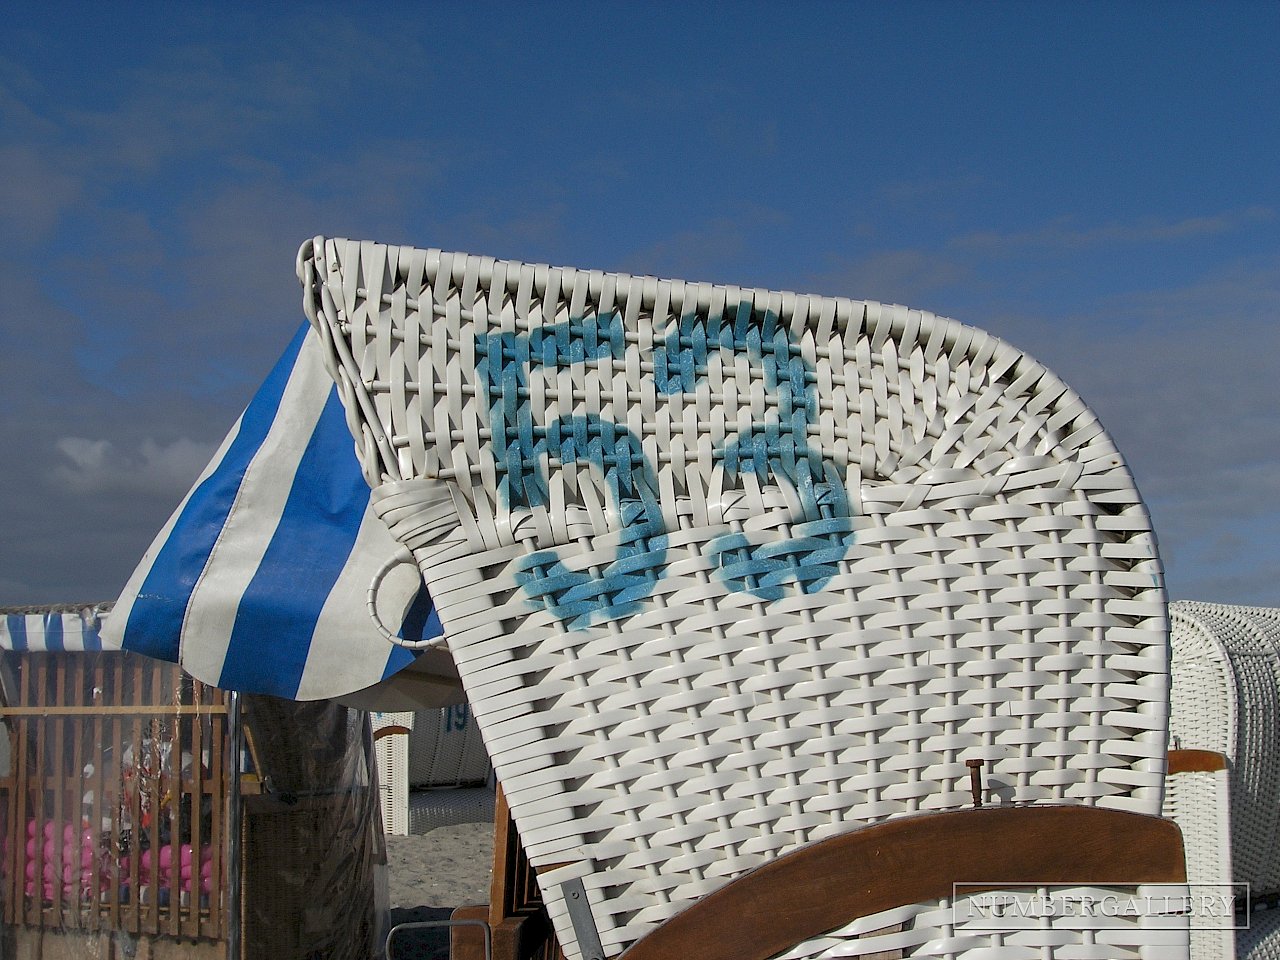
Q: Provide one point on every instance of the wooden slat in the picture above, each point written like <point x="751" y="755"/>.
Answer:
<point x="521" y="928"/>
<point x="132" y="710"/>
<point x="147" y="756"/>
<point x="218" y="837"/>
<point x="113" y="748"/>
<point x="55" y="781"/>
<point x="467" y="943"/>
<point x="500" y="881"/>
<point x="192" y="918"/>
<point x="13" y="853"/>
<point x="39" y="676"/>
<point x="12" y="856"/>
<point x="251" y="744"/>
<point x="916" y="859"/>
<point x="171" y="786"/>
<point x="97" y="783"/>
<point x="21" y="794"/>
<point x="74" y="734"/>
<point x="15" y="826"/>
<point x="131" y="740"/>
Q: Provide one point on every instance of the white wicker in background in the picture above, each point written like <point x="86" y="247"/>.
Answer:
<point x="1226" y="698"/>
<point x="433" y="775"/>
<point x="446" y="749"/>
<point x="728" y="571"/>
<point x="1198" y="801"/>
<point x="1262" y="940"/>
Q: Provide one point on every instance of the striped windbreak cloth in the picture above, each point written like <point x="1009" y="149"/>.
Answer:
<point x="260" y="580"/>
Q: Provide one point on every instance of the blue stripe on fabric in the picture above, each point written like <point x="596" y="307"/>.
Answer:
<point x="154" y="627"/>
<point x="278" y="612"/>
<point x="17" y="625"/>
<point x="400" y="658"/>
<point x="420" y="620"/>
<point x="92" y="638"/>
<point x="420" y="623"/>
<point x="53" y="640"/>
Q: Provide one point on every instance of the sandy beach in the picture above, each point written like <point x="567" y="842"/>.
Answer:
<point x="430" y="875"/>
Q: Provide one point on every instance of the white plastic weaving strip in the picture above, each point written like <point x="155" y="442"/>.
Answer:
<point x="391" y="752"/>
<point x="446" y="750"/>
<point x="940" y="930"/>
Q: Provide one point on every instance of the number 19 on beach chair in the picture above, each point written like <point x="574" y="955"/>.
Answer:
<point x="794" y="626"/>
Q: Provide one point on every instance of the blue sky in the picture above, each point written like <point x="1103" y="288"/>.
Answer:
<point x="1096" y="183"/>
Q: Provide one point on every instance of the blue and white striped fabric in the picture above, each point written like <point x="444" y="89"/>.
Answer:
<point x="53" y="631"/>
<point x="259" y="581"/>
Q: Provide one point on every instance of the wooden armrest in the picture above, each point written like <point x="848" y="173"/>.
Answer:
<point x="917" y="859"/>
<point x="389" y="730"/>
<point x="1195" y="761"/>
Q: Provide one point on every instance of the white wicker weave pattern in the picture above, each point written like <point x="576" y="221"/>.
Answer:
<point x="445" y="749"/>
<point x="1261" y="941"/>
<point x="940" y="930"/>
<point x="442" y="749"/>
<point x="1226" y="698"/>
<point x="1197" y="801"/>
<point x="728" y="571"/>
<point x="391" y="754"/>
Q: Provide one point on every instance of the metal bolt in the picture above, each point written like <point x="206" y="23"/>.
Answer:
<point x="975" y="780"/>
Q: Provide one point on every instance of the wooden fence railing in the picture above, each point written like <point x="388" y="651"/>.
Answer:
<point x="114" y="801"/>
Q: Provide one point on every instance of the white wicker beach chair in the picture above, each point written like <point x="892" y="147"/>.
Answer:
<point x="1196" y="799"/>
<point x="1226" y="699"/>
<point x="432" y="770"/>
<point x="740" y="582"/>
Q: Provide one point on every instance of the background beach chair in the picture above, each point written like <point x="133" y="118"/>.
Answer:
<point x="728" y="573"/>
<point x="1226" y="699"/>
<point x="432" y="770"/>
<point x="1196" y="797"/>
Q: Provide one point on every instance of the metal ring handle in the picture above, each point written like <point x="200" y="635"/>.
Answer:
<point x="427" y="924"/>
<point x="401" y="556"/>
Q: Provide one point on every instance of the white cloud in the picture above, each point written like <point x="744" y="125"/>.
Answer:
<point x="909" y="276"/>
<point x="1063" y="233"/>
<point x="34" y="191"/>
<point x="100" y="467"/>
<point x="1186" y="381"/>
<point x="929" y="189"/>
<point x="706" y="251"/>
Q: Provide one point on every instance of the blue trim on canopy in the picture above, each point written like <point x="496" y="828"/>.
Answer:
<point x="17" y="625"/>
<point x="53" y="632"/>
